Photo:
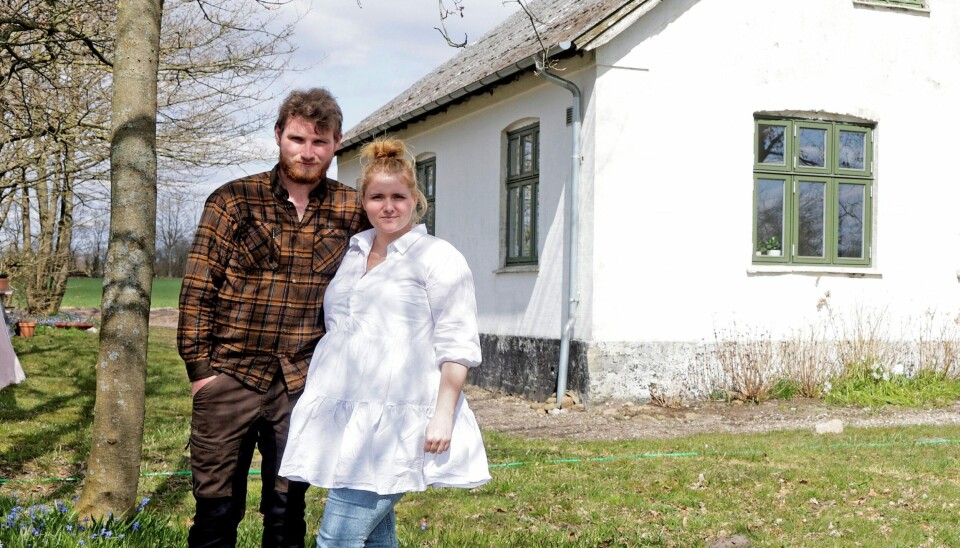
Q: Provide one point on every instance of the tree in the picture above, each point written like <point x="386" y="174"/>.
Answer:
<point x="178" y="210"/>
<point x="217" y="60"/>
<point x="113" y="467"/>
<point x="114" y="463"/>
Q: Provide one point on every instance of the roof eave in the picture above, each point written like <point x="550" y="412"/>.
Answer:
<point x="460" y="94"/>
<point x="590" y="39"/>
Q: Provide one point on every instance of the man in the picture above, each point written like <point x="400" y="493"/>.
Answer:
<point x="251" y="314"/>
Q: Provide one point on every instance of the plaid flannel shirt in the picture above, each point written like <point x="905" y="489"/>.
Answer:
<point x="252" y="297"/>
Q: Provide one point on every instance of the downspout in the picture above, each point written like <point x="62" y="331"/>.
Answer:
<point x="572" y="298"/>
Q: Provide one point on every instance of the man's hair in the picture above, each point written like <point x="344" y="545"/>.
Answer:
<point x="316" y="105"/>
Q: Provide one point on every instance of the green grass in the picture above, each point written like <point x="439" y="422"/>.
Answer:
<point x="86" y="292"/>
<point x="889" y="486"/>
<point x="868" y="385"/>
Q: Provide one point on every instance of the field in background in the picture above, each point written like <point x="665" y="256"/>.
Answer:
<point x="86" y="292"/>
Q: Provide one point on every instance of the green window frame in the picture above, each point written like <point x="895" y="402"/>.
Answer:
<point x="427" y="181"/>
<point x="812" y="193"/>
<point x="522" y="185"/>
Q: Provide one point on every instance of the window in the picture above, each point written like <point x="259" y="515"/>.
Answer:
<point x="813" y="186"/>
<point x="523" y="175"/>
<point x="427" y="181"/>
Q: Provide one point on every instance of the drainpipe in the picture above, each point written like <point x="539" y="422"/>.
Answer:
<point x="572" y="298"/>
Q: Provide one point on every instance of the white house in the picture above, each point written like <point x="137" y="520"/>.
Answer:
<point x="743" y="165"/>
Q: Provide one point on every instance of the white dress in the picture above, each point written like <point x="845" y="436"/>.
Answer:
<point x="10" y="370"/>
<point x="373" y="382"/>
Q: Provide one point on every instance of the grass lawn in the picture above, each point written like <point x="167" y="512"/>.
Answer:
<point x="86" y="292"/>
<point x="865" y="487"/>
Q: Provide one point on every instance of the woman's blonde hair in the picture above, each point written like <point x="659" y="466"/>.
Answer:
<point x="390" y="156"/>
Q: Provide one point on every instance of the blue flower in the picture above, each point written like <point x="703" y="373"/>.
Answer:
<point x="136" y="526"/>
<point x="143" y="503"/>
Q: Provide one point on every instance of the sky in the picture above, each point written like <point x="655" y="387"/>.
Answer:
<point x="369" y="53"/>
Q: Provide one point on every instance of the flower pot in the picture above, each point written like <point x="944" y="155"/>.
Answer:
<point x="773" y="252"/>
<point x="4" y="284"/>
<point x="26" y="329"/>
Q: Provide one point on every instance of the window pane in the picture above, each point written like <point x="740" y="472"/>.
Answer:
<point x="769" y="211"/>
<point x="526" y="148"/>
<point x="770" y="144"/>
<point x="813" y="147"/>
<point x="513" y="219"/>
<point x="850" y="220"/>
<point x="812" y="216"/>
<point x="431" y="177"/>
<point x="513" y="153"/>
<point x="526" y="222"/>
<point x="853" y="149"/>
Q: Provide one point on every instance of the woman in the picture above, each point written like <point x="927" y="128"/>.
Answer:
<point x="383" y="411"/>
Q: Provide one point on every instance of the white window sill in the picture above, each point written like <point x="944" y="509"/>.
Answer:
<point x="892" y="7"/>
<point x="517" y="269"/>
<point x="850" y="271"/>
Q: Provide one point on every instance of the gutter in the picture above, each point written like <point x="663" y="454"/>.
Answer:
<point x="568" y="315"/>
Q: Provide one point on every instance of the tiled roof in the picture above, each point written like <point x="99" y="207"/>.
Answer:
<point x="497" y="56"/>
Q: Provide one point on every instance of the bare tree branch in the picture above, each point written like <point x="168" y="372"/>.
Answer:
<point x="447" y="12"/>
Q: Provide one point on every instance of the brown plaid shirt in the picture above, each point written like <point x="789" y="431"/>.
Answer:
<point x="252" y="297"/>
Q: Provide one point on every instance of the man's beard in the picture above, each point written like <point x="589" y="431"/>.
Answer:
<point x="304" y="176"/>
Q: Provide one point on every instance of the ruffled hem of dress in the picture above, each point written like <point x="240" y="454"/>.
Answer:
<point x="379" y="447"/>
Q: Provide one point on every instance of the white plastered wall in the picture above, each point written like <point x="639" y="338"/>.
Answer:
<point x="675" y="98"/>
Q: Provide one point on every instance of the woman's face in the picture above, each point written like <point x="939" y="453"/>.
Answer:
<point x="389" y="204"/>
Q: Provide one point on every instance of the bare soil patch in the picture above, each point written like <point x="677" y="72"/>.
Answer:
<point x="624" y="420"/>
<point x="159" y="317"/>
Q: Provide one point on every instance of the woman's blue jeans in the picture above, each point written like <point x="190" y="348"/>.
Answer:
<point x="354" y="518"/>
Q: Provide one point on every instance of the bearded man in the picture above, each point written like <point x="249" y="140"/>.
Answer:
<point x="251" y="313"/>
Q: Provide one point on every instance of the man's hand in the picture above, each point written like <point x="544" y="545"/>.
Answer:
<point x="195" y="386"/>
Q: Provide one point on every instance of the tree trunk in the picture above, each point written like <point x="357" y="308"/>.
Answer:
<point x="113" y="467"/>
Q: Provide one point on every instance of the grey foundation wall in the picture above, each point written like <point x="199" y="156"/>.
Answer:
<point x="598" y="371"/>
<point x="527" y="366"/>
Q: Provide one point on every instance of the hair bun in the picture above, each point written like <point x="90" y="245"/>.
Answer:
<point x="384" y="149"/>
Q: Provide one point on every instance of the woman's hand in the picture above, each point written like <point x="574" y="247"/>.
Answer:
<point x="438" y="434"/>
<point x="440" y="428"/>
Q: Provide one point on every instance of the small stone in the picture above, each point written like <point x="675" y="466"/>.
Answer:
<point x="567" y="402"/>
<point x="834" y="426"/>
<point x="579" y="407"/>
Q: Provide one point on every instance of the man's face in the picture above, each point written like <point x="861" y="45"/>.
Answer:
<point x="305" y="154"/>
